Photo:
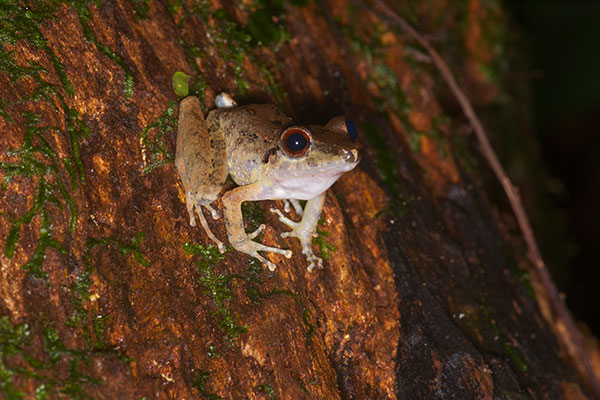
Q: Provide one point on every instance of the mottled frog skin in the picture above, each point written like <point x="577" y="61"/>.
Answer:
<point x="269" y="157"/>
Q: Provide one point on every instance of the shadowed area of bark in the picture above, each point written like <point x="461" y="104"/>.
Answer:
<point x="107" y="292"/>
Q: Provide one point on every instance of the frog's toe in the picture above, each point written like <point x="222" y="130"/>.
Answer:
<point x="286" y="205"/>
<point x="314" y="261"/>
<point x="284" y="219"/>
<point x="297" y="207"/>
<point x="256" y="232"/>
<point x="252" y="248"/>
<point x="190" y="209"/>
<point x="221" y="247"/>
<point x="272" y="267"/>
<point x="213" y="212"/>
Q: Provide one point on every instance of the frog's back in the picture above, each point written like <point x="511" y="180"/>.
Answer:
<point x="251" y="134"/>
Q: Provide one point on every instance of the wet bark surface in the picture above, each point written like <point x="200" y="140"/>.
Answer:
<point x="107" y="292"/>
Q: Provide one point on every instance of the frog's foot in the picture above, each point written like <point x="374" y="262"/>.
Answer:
<point x="312" y="259"/>
<point x="252" y="248"/>
<point x="213" y="212"/>
<point x="305" y="234"/>
<point x="204" y="224"/>
<point x="295" y="204"/>
<point x="189" y="202"/>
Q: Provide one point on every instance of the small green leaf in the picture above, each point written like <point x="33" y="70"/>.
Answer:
<point x="180" y="83"/>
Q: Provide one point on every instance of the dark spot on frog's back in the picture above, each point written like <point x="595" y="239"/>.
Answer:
<point x="217" y="144"/>
<point x="277" y="123"/>
<point x="268" y="155"/>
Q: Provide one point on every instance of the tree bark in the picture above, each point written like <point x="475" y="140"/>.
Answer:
<point x="107" y="291"/>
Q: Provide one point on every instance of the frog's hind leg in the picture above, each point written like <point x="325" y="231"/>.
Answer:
<point x="209" y="233"/>
<point x="191" y="204"/>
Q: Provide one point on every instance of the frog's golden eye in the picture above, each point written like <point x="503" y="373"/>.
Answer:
<point x="295" y="142"/>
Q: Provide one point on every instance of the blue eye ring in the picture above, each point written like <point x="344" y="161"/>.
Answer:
<point x="295" y="142"/>
<point x="351" y="128"/>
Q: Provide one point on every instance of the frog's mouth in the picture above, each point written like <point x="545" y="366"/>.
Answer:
<point x="306" y="184"/>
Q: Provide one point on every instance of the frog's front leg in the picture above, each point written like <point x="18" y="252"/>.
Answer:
<point x="305" y="229"/>
<point x="234" y="223"/>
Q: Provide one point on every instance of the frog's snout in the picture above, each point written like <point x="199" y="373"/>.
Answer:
<point x="351" y="156"/>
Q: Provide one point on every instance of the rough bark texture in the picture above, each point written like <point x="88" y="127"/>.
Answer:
<point x="107" y="292"/>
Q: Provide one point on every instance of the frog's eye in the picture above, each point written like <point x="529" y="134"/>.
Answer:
<point x="351" y="128"/>
<point x="295" y="142"/>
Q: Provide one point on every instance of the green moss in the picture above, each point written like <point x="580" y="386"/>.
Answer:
<point x="18" y="365"/>
<point x="254" y="279"/>
<point x="254" y="215"/>
<point x="39" y="160"/>
<point x="267" y="389"/>
<point x="85" y="17"/>
<point x="20" y="22"/>
<point x="309" y="328"/>
<point x="12" y="341"/>
<point x="324" y="246"/>
<point x="386" y="165"/>
<point x="510" y="350"/>
<point x="515" y="396"/>
<point x="369" y="47"/>
<point x="152" y="139"/>
<point x="92" y="325"/>
<point x="302" y="386"/>
<point x="233" y="43"/>
<point x="200" y="382"/>
<point x="174" y="7"/>
<point x="463" y="152"/>
<point x="495" y="39"/>
<point x="437" y="134"/>
<point x="36" y="159"/>
<point x="125" y="248"/>
<point x="236" y="44"/>
<point x="217" y="285"/>
<point x="212" y="352"/>
<point x="266" y="24"/>
<point x="192" y="54"/>
<point x="141" y="8"/>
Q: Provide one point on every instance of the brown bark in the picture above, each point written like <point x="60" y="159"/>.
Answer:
<point x="425" y="291"/>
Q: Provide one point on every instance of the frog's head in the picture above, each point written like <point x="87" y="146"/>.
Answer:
<point x="310" y="159"/>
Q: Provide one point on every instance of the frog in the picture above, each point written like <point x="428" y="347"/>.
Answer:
<point x="269" y="157"/>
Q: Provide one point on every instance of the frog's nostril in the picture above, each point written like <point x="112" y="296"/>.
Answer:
<point x="351" y="156"/>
